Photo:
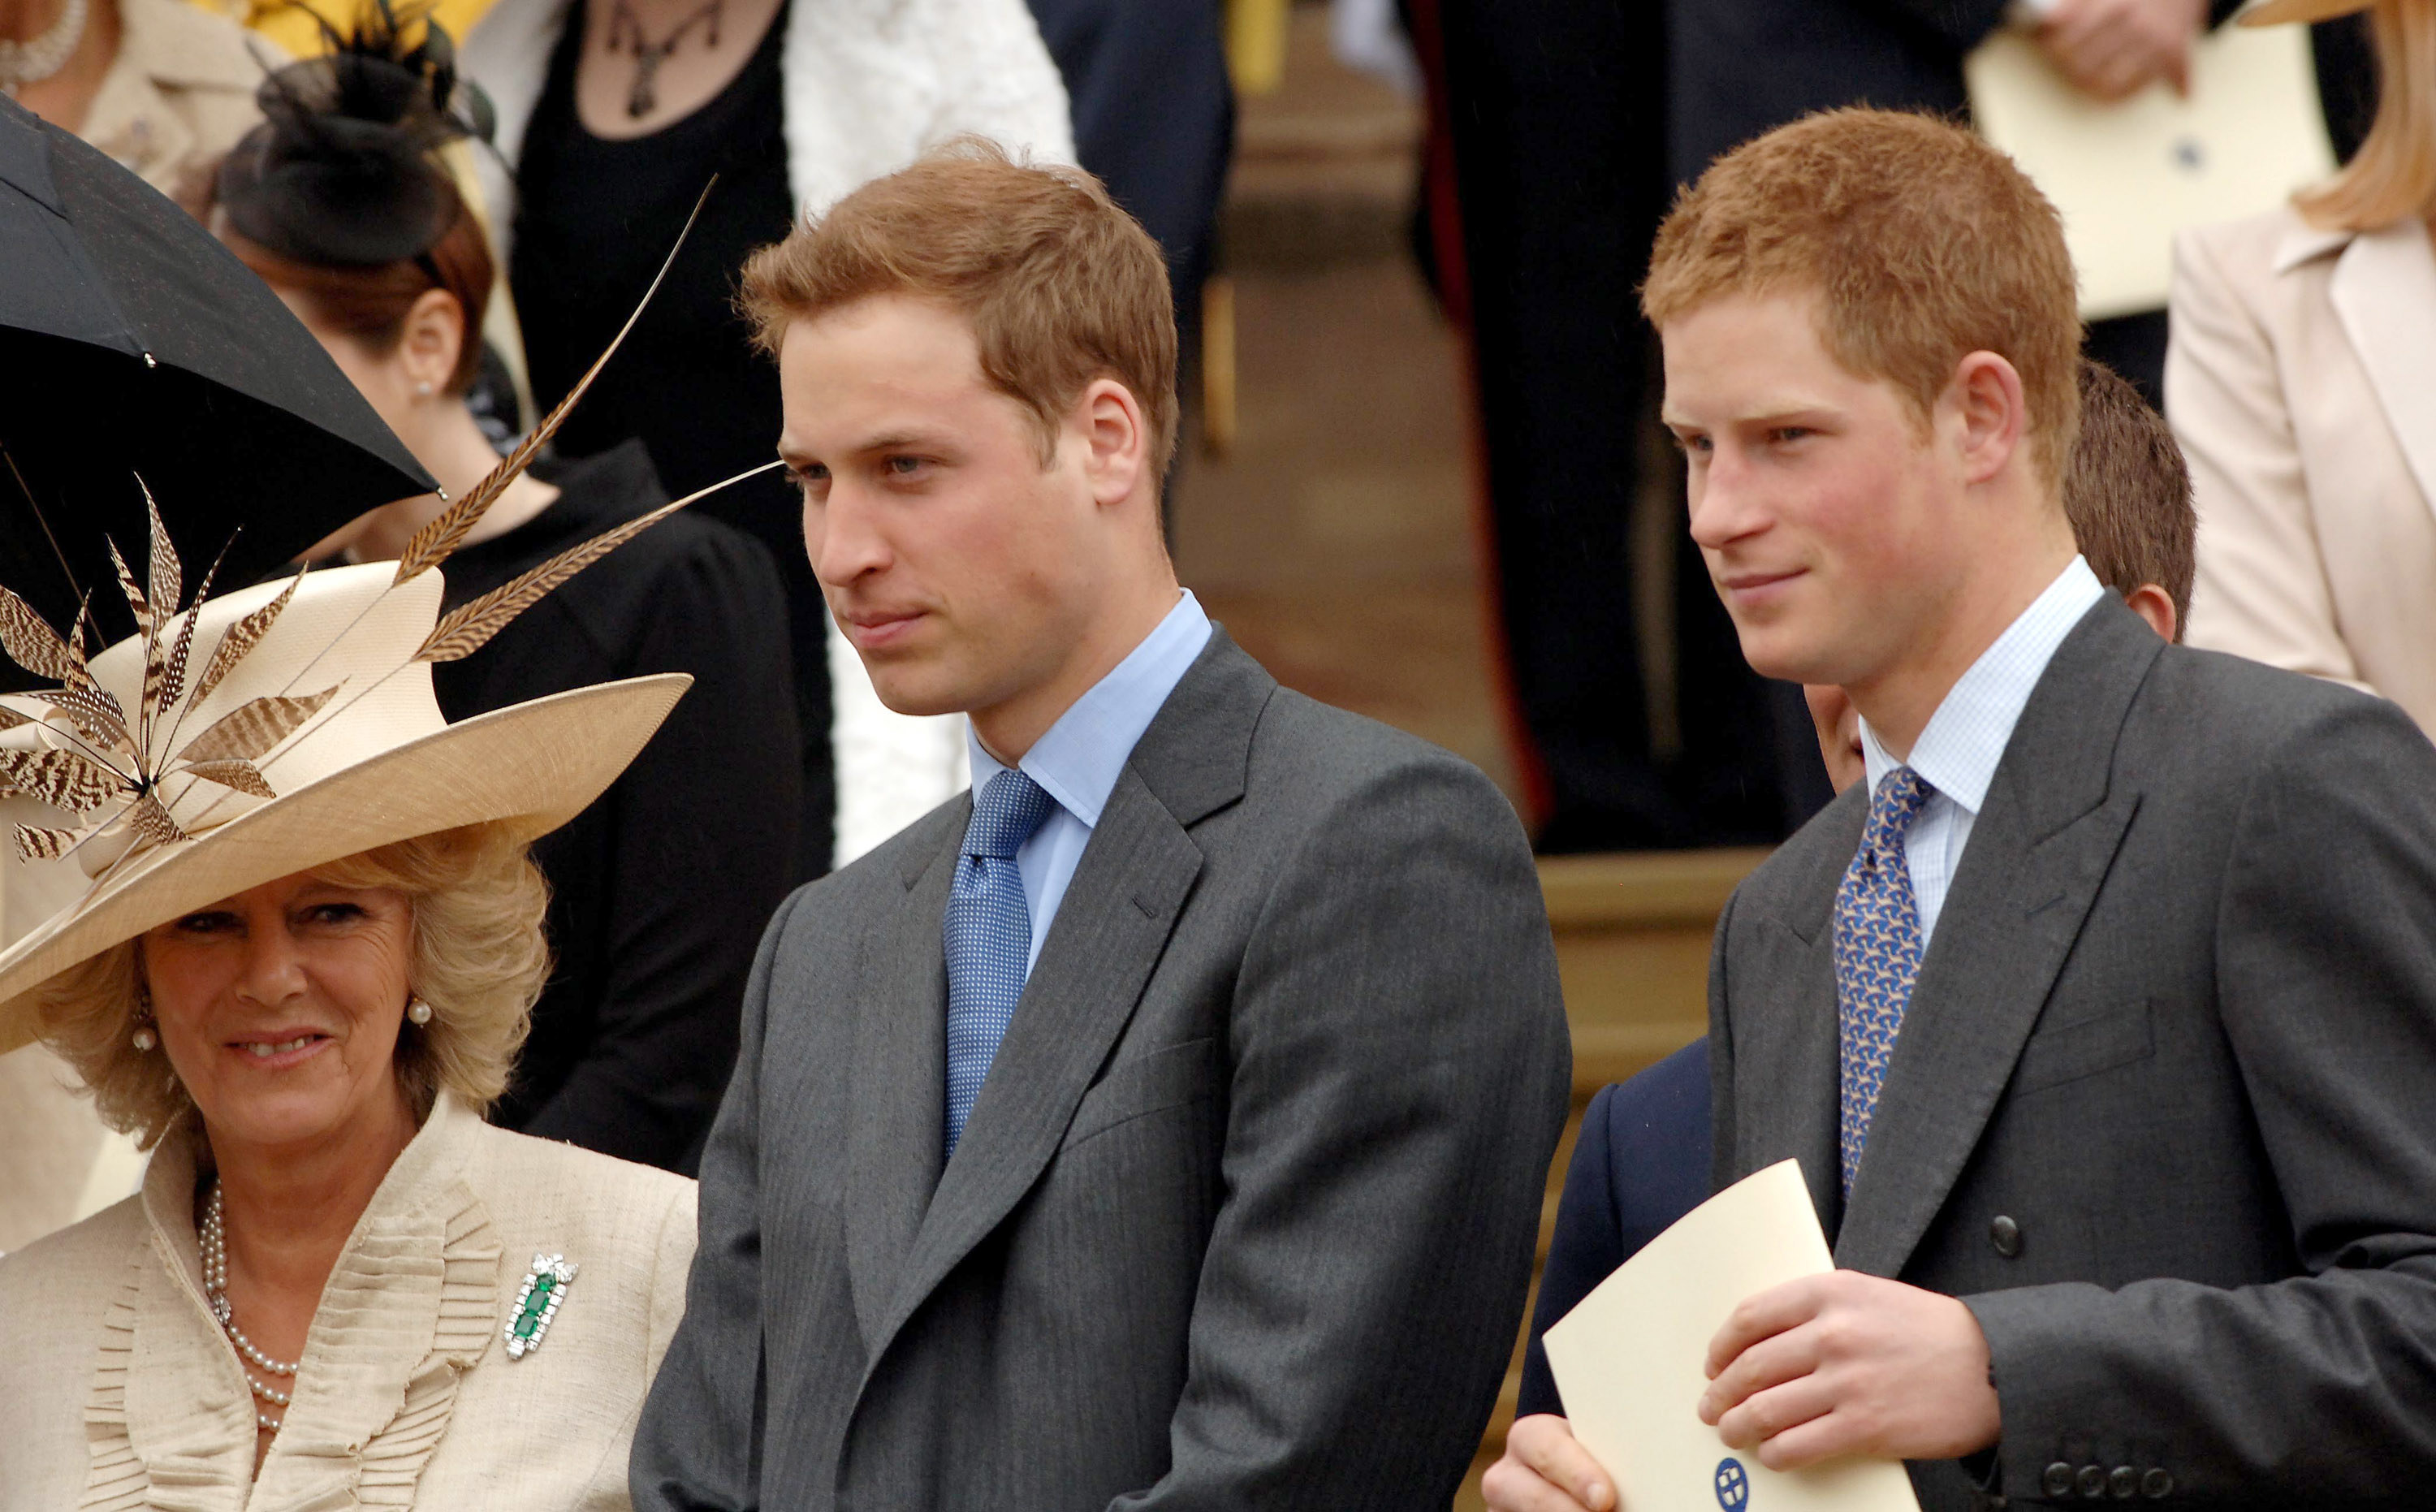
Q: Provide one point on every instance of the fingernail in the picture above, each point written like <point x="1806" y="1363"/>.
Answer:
<point x="1596" y="1492"/>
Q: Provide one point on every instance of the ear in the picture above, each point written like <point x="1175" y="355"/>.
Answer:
<point x="2155" y="605"/>
<point x="1116" y="440"/>
<point x="431" y="340"/>
<point x="1990" y="413"/>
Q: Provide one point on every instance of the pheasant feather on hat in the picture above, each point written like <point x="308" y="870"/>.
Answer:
<point x="237" y="740"/>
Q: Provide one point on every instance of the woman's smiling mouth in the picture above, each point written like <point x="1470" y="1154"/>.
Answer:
<point x="283" y="1052"/>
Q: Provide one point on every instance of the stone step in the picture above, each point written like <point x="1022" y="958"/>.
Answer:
<point x="1324" y="168"/>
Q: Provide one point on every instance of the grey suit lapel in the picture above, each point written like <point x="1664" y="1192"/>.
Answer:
<point x="1786" y="1063"/>
<point x="1111" y="928"/>
<point x="900" y="1047"/>
<point x="2039" y="851"/>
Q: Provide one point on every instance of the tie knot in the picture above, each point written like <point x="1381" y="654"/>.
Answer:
<point x="1896" y="801"/>
<point x="1007" y="812"/>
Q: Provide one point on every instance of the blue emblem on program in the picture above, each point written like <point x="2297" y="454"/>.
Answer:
<point x="1733" y="1485"/>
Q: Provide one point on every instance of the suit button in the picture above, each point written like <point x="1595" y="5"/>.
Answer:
<point x="2124" y="1483"/>
<point x="2092" y="1482"/>
<point x="2006" y="1235"/>
<point x="2156" y="1486"/>
<point x="2057" y="1480"/>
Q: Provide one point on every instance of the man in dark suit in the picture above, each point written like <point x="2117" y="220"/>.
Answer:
<point x="1154" y="120"/>
<point x="1164" y="1124"/>
<point x="1546" y="179"/>
<point x="2100" y="1021"/>
<point x="1738" y="68"/>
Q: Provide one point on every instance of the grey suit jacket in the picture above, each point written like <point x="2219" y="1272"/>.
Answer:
<point x="1244" y="1213"/>
<point x="2163" y="1108"/>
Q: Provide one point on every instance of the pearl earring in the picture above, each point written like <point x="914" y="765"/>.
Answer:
<point x="144" y="1039"/>
<point x="423" y="390"/>
<point x="419" y="1011"/>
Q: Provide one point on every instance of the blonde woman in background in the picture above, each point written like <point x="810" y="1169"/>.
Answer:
<point x="2301" y="384"/>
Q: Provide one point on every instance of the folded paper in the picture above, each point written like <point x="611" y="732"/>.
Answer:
<point x="1630" y="1360"/>
<point x="2129" y="174"/>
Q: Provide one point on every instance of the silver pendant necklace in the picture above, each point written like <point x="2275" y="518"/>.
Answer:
<point x="214" y="1247"/>
<point x="626" y="31"/>
<point x="37" y="58"/>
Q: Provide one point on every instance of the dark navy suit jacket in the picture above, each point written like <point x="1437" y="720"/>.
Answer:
<point x="1642" y="1162"/>
<point x="1154" y="116"/>
<point x="1737" y="68"/>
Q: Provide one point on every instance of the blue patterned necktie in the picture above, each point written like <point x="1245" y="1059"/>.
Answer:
<point x="1877" y="953"/>
<point x="988" y="935"/>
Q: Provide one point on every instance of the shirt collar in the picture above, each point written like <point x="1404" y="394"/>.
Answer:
<point x="1959" y="748"/>
<point x="1081" y="756"/>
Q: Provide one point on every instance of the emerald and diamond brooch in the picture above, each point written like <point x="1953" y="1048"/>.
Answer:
<point x="544" y="1289"/>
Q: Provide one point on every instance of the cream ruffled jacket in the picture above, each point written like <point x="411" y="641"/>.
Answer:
<point x="118" y="1390"/>
<point x="178" y="94"/>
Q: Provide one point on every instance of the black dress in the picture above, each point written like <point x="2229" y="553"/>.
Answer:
<point x="595" y="219"/>
<point x="659" y="890"/>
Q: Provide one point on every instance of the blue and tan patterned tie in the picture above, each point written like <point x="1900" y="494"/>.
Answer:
<point x="1877" y="953"/>
<point x="988" y="935"/>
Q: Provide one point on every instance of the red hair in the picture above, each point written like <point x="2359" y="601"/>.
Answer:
<point x="371" y="304"/>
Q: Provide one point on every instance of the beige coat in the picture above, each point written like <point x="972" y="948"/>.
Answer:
<point x="2301" y="384"/>
<point x="118" y="1390"/>
<point x="178" y="94"/>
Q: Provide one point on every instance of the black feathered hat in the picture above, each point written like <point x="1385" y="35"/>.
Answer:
<point x="343" y="171"/>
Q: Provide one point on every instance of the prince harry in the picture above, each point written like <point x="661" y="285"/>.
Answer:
<point x="2102" y="1016"/>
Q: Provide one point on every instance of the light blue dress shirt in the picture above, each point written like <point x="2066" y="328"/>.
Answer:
<point x="1081" y="756"/>
<point x="1958" y="751"/>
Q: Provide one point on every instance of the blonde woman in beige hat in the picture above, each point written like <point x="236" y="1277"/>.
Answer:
<point x="302" y="939"/>
<point x="2301" y="382"/>
<point x="299" y="965"/>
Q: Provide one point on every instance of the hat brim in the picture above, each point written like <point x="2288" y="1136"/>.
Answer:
<point x="532" y="766"/>
<point x="2283" y="13"/>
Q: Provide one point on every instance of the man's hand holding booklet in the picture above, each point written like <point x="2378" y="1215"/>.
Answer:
<point x="1693" y="1345"/>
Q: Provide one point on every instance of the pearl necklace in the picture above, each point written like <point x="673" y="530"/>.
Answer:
<point x="38" y="58"/>
<point x="215" y="1246"/>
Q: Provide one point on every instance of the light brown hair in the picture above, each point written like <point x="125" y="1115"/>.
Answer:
<point x="2392" y="176"/>
<point x="1060" y="285"/>
<point x="478" y="960"/>
<point x="1923" y="243"/>
<point x="2128" y="494"/>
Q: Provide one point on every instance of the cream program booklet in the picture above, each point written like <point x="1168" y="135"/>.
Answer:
<point x="1630" y="1361"/>
<point x="2127" y="176"/>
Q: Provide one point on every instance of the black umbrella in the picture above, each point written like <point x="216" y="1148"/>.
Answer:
<point x="132" y="343"/>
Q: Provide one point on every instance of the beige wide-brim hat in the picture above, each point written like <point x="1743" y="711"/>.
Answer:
<point x="374" y="763"/>
<point x="2280" y="12"/>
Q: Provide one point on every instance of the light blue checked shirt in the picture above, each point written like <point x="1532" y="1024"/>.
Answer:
<point x="1957" y="752"/>
<point x="1080" y="758"/>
